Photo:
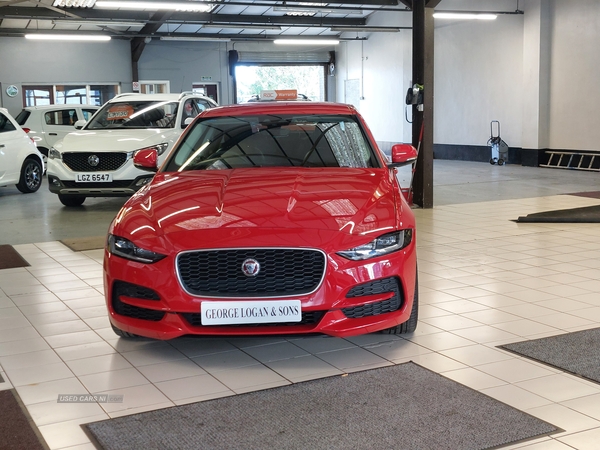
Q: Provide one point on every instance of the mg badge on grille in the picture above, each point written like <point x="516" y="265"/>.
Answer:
<point x="250" y="267"/>
<point x="93" y="160"/>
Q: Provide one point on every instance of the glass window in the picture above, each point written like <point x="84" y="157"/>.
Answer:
<point x="38" y="95"/>
<point x="71" y="95"/>
<point x="61" y="117"/>
<point x="99" y="94"/>
<point x="132" y="114"/>
<point x="5" y="124"/>
<point x="274" y="141"/>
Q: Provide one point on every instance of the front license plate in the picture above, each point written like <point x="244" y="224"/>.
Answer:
<point x="93" y="178"/>
<point x="231" y="313"/>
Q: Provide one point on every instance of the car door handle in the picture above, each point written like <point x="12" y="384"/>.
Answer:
<point x="1" y="145"/>
<point x="53" y="134"/>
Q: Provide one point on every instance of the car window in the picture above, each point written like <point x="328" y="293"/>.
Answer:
<point x="87" y="113"/>
<point x="5" y="124"/>
<point x="65" y="117"/>
<point x="132" y="114"/>
<point x="273" y="141"/>
<point x="22" y="117"/>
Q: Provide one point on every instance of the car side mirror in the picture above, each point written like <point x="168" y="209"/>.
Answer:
<point x="79" y="124"/>
<point x="187" y="121"/>
<point x="403" y="154"/>
<point x="146" y="159"/>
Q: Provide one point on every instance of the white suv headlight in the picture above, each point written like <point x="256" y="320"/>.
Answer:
<point x="54" y="154"/>
<point x="383" y="245"/>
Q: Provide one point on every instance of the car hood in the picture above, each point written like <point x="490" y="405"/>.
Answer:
<point x="261" y="206"/>
<point x="115" y="140"/>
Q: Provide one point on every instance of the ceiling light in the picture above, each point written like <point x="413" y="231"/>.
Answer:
<point x="369" y="29"/>
<point x="194" y="38"/>
<point x="240" y="25"/>
<point x="74" y="3"/>
<point x="312" y="10"/>
<point x="68" y="37"/>
<point x="307" y="41"/>
<point x="177" y="6"/>
<point x="99" y="23"/>
<point x="467" y="16"/>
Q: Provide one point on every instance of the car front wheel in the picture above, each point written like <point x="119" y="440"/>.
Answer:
<point x="123" y="334"/>
<point x="71" y="200"/>
<point x="411" y="324"/>
<point x="31" y="176"/>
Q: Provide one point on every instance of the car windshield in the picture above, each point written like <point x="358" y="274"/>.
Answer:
<point x="273" y="141"/>
<point x="135" y="114"/>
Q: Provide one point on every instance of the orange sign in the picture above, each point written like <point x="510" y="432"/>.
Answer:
<point x="119" y="112"/>
<point x="279" y="94"/>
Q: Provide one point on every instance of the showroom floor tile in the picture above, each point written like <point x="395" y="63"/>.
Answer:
<point x="484" y="281"/>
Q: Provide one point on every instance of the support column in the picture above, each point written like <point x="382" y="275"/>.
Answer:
<point x="422" y="128"/>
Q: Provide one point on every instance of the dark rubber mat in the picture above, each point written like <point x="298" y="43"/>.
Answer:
<point x="402" y="407"/>
<point x="10" y="258"/>
<point x="588" y="214"/>
<point x="576" y="352"/>
<point x="17" y="430"/>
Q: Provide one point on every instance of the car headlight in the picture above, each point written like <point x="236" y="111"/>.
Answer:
<point x="54" y="154"/>
<point x="126" y="249"/>
<point x="383" y="245"/>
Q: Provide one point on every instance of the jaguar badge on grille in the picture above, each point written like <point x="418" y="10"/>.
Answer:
<point x="250" y="267"/>
<point x="93" y="160"/>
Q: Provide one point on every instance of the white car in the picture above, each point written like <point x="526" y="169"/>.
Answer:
<point x="21" y="163"/>
<point x="50" y="123"/>
<point x="96" y="159"/>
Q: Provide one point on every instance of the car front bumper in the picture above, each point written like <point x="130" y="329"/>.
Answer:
<point x="358" y="298"/>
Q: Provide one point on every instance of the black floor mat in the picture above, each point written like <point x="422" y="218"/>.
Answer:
<point x="402" y="407"/>
<point x="576" y="352"/>
<point x="588" y="214"/>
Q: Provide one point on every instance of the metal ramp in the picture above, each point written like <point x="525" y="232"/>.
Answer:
<point x="573" y="160"/>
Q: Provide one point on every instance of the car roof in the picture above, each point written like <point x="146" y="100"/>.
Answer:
<point x="156" y="97"/>
<point x="59" y="106"/>
<point x="292" y="107"/>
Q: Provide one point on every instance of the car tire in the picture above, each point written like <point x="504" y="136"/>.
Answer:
<point x="31" y="176"/>
<point x="411" y="324"/>
<point x="123" y="334"/>
<point x="71" y="200"/>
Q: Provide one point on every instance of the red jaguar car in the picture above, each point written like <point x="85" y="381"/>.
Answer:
<point x="266" y="218"/>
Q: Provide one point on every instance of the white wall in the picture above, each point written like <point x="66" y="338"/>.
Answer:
<point x="575" y="75"/>
<point x="30" y="62"/>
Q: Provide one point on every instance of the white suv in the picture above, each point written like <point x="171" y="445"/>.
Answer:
<point x="96" y="161"/>
<point x="50" y="123"/>
<point x="20" y="161"/>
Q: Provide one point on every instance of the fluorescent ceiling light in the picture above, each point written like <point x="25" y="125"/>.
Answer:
<point x="67" y="37"/>
<point x="468" y="16"/>
<point x="154" y="6"/>
<point x="312" y="10"/>
<point x="194" y="38"/>
<point x="249" y="26"/>
<point x="74" y="3"/>
<point x="307" y="41"/>
<point x="99" y="23"/>
<point x="367" y="29"/>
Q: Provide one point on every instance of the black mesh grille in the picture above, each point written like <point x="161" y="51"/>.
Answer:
<point x="308" y="318"/>
<point x="283" y="272"/>
<point x="134" y="291"/>
<point x="78" y="161"/>
<point x="373" y="288"/>
<point x="113" y="184"/>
